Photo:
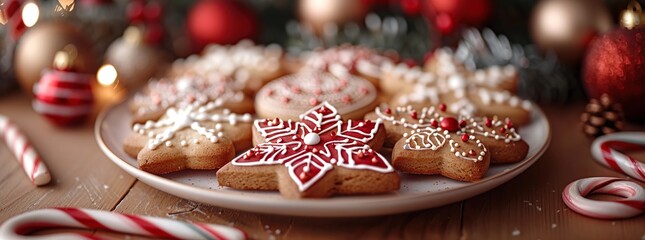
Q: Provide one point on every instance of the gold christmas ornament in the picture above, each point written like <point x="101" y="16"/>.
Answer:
<point x="135" y="61"/>
<point x="64" y="59"/>
<point x="632" y="16"/>
<point x="319" y="14"/>
<point x="567" y="26"/>
<point x="38" y="46"/>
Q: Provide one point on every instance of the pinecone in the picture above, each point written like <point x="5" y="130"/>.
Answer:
<point x="602" y="117"/>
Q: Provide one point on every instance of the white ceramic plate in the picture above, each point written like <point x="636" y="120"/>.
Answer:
<point x="417" y="192"/>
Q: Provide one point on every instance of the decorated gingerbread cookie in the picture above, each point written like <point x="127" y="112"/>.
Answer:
<point x="429" y="128"/>
<point x="349" y="60"/>
<point x="445" y="64"/>
<point x="159" y="95"/>
<point x="411" y="86"/>
<point x="291" y="95"/>
<point x="195" y="136"/>
<point x="253" y="65"/>
<point x="318" y="156"/>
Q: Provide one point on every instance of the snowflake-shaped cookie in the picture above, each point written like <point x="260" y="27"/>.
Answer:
<point x="321" y="154"/>
<point x="189" y="89"/>
<point x="195" y="136"/>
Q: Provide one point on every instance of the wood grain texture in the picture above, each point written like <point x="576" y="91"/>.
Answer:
<point x="441" y="223"/>
<point x="527" y="207"/>
<point x="81" y="175"/>
<point x="531" y="207"/>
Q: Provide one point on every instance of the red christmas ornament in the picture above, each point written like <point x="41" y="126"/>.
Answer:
<point x="448" y="15"/>
<point x="63" y="95"/>
<point x="615" y="65"/>
<point x="220" y="21"/>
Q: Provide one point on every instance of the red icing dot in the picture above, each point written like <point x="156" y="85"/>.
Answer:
<point x="489" y="123"/>
<point x="450" y="124"/>
<point x="502" y="130"/>
<point x="347" y="99"/>
<point x="442" y="107"/>
<point x="465" y="137"/>
<point x="295" y="89"/>
<point x="285" y="100"/>
<point x="388" y="111"/>
<point x="317" y="91"/>
<point x="360" y="155"/>
<point x="313" y="101"/>
<point x="413" y="114"/>
<point x="434" y="123"/>
<point x="462" y="123"/>
<point x="472" y="152"/>
<point x="269" y="92"/>
<point x="363" y="90"/>
<point x="509" y="124"/>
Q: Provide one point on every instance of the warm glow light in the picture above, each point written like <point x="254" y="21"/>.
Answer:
<point x="30" y="14"/>
<point x="106" y="75"/>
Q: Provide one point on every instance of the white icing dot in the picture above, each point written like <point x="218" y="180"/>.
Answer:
<point x="311" y="139"/>
<point x="220" y="134"/>
<point x="213" y="139"/>
<point x="480" y="158"/>
<point x="195" y="141"/>
<point x="218" y="126"/>
<point x="168" y="144"/>
<point x="183" y="143"/>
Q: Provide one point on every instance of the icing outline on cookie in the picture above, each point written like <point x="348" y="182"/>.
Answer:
<point x="340" y="143"/>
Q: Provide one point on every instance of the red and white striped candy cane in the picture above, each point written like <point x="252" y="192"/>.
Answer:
<point x="574" y="195"/>
<point x="606" y="151"/>
<point x="19" y="226"/>
<point x="24" y="152"/>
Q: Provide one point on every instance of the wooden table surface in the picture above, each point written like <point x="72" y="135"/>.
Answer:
<point x="527" y="207"/>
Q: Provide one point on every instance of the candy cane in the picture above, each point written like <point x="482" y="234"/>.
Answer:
<point x="633" y="203"/>
<point x="606" y="151"/>
<point x="19" y="226"/>
<point x="26" y="155"/>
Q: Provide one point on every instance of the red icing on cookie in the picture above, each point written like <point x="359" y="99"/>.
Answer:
<point x="312" y="147"/>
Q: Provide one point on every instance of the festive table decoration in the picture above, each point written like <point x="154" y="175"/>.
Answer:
<point x="134" y="59"/>
<point x="64" y="95"/>
<point x="37" y="47"/>
<point x="221" y="22"/>
<point x="542" y="77"/>
<point x="320" y="15"/>
<point x="615" y="65"/>
<point x="567" y="26"/>
<point x="633" y="204"/>
<point x="608" y="151"/>
<point x="602" y="117"/>
<point x="29" y="160"/>
<point x="19" y="226"/>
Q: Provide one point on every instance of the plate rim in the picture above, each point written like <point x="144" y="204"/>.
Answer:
<point x="232" y="200"/>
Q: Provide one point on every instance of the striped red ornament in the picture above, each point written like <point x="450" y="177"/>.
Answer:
<point x="63" y="97"/>
<point x="18" y="227"/>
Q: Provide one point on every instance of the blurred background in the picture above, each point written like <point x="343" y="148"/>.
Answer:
<point x="565" y="50"/>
